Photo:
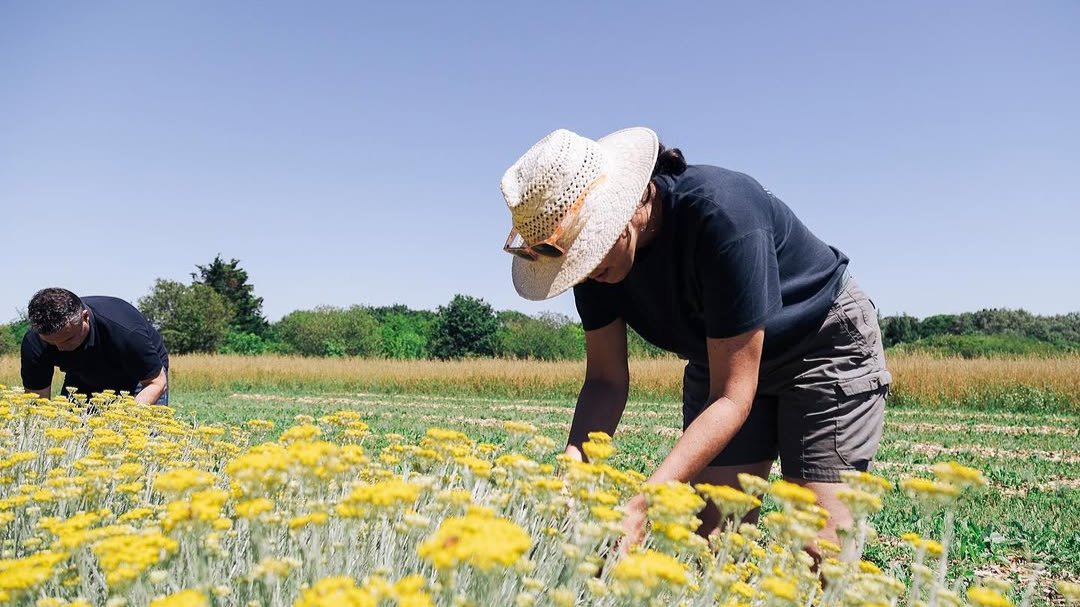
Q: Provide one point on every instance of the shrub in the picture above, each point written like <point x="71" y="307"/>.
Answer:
<point x="8" y="345"/>
<point x="248" y="344"/>
<point x="548" y="337"/>
<point x="190" y="318"/>
<point x="467" y="326"/>
<point x="404" y="335"/>
<point x="329" y="331"/>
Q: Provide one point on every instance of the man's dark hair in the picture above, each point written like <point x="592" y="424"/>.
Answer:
<point x="52" y="309"/>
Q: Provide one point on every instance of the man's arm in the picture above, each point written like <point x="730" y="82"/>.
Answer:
<point x="36" y="367"/>
<point x="603" y="394"/>
<point x="152" y="389"/>
<point x="733" y="375"/>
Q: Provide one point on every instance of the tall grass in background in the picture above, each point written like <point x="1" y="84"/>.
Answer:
<point x="998" y="383"/>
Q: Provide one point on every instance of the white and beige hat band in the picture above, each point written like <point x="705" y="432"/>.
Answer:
<point x="542" y="186"/>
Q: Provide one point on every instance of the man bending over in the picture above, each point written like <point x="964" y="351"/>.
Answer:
<point x="100" y="343"/>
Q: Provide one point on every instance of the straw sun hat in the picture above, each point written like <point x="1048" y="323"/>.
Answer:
<point x="582" y="191"/>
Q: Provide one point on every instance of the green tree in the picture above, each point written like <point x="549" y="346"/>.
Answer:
<point x="637" y="347"/>
<point x="899" y="330"/>
<point x="247" y="344"/>
<point x="160" y="305"/>
<point x="404" y="336"/>
<point x="467" y="326"/>
<point x="190" y="318"/>
<point x="8" y="345"/>
<point x="549" y="336"/>
<point x="231" y="282"/>
<point x="329" y="331"/>
<point x="405" y="332"/>
<point x="939" y="324"/>
<point x="20" y="327"/>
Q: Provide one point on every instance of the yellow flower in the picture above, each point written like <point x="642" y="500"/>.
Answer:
<point x="303" y="432"/>
<point x="184" y="598"/>
<point x="516" y="427"/>
<point x="340" y="591"/>
<point x="753" y="484"/>
<point x="135" y="514"/>
<point x="409" y="592"/>
<point x="384" y="496"/>
<point x="124" y="557"/>
<point x="254" y="507"/>
<point x="27" y="573"/>
<point x="730" y="501"/>
<point x="260" y="424"/>
<point x="828" y="548"/>
<point x="641" y="574"/>
<point x="864" y="481"/>
<point x="779" y="588"/>
<point x="600" y="438"/>
<point x="274" y="567"/>
<point x="204" y="506"/>
<point x="790" y="493"/>
<point x="672" y="502"/>
<point x="180" y="480"/>
<point x="930" y="547"/>
<point x="315" y="518"/>
<point x="929" y="492"/>
<point x="476" y="466"/>
<point x="540" y="444"/>
<point x="597" y="452"/>
<point x="960" y="476"/>
<point x="477" y="539"/>
<point x="985" y="597"/>
<point x="1069" y="590"/>
<point x="861" y="503"/>
<point x="604" y="513"/>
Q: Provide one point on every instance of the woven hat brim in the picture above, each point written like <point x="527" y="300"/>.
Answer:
<point x="630" y="155"/>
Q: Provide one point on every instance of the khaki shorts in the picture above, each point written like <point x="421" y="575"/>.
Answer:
<point x="821" y="406"/>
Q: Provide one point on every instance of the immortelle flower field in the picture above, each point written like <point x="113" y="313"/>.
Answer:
<point x="107" y="502"/>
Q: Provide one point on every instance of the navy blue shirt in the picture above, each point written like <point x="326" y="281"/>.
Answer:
<point x="729" y="257"/>
<point x="121" y="349"/>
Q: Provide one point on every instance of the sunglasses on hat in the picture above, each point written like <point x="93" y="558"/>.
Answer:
<point x="548" y="247"/>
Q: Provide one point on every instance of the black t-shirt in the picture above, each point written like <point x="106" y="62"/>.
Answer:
<point x="121" y="350"/>
<point x="729" y="257"/>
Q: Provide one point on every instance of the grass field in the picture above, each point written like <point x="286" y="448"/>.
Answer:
<point x="1017" y="420"/>
<point x="1028" y="384"/>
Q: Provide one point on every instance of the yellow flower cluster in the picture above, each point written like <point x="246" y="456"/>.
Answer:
<point x="479" y="539"/>
<point x="104" y="501"/>
<point x="641" y="574"/>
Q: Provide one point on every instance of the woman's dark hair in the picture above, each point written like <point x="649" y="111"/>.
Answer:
<point x="51" y="310"/>
<point x="669" y="162"/>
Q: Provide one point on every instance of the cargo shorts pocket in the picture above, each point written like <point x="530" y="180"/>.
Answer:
<point x="867" y="383"/>
<point x="860" y="418"/>
<point x="858" y="319"/>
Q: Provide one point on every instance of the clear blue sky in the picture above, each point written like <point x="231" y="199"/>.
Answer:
<point x="351" y="152"/>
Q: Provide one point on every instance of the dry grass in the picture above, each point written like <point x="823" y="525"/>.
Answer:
<point x="930" y="376"/>
<point x="921" y="377"/>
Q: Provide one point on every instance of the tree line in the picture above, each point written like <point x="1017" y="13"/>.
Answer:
<point x="218" y="312"/>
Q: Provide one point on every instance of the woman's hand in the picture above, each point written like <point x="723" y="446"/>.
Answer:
<point x="633" y="523"/>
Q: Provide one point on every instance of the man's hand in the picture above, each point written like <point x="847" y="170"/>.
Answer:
<point x="152" y="388"/>
<point x="633" y="523"/>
